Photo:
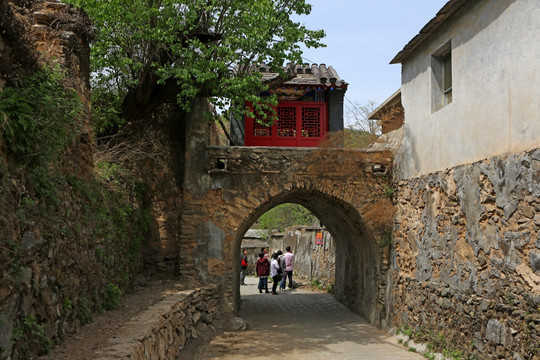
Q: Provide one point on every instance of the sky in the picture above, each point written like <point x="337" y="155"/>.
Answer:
<point x="362" y="37"/>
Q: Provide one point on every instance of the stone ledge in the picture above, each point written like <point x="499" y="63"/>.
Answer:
<point x="162" y="330"/>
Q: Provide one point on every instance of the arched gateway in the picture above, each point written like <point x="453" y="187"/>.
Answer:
<point x="227" y="188"/>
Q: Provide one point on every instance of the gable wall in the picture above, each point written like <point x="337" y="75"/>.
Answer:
<point x="496" y="90"/>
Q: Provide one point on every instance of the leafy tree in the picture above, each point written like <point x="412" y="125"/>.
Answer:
<point x="285" y="215"/>
<point x="151" y="52"/>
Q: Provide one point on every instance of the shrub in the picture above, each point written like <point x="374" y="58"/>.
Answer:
<point x="112" y="297"/>
<point x="30" y="334"/>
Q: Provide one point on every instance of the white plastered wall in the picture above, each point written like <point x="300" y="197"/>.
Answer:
<point x="496" y="90"/>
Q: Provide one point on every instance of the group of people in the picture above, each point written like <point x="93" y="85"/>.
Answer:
<point x="279" y="268"/>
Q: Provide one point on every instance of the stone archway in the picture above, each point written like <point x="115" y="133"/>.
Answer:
<point x="227" y="188"/>
<point x="357" y="253"/>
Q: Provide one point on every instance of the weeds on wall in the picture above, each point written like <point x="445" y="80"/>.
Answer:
<point x="386" y="239"/>
<point x="31" y="336"/>
<point x="38" y="118"/>
<point x="77" y="232"/>
<point x="435" y="343"/>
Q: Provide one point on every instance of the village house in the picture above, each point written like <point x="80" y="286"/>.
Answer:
<point x="467" y="171"/>
<point x="310" y="106"/>
<point x="390" y="113"/>
<point x="470" y="85"/>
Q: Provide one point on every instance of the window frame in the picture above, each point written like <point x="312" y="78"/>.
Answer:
<point x="442" y="77"/>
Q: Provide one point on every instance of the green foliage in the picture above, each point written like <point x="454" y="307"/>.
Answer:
<point x="355" y="138"/>
<point x="85" y="313"/>
<point x="102" y="216"/>
<point x="29" y="334"/>
<point x="386" y="240"/>
<point x="331" y="288"/>
<point x="453" y="354"/>
<point x="434" y="343"/>
<point x="317" y="284"/>
<point x="196" y="47"/>
<point x="112" y="297"/>
<point x="285" y="215"/>
<point x="106" y="109"/>
<point x="437" y="341"/>
<point x="405" y="330"/>
<point x="389" y="192"/>
<point x="67" y="306"/>
<point x="37" y="118"/>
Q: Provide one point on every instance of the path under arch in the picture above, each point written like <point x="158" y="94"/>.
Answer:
<point x="298" y="325"/>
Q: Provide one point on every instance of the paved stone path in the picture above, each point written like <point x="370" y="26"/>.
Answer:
<point x="301" y="324"/>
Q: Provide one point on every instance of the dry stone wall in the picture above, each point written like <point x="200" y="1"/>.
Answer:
<point x="311" y="260"/>
<point x="467" y="256"/>
<point x="164" y="329"/>
<point x="65" y="255"/>
<point x="38" y="32"/>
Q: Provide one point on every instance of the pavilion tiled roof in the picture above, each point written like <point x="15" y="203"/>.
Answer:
<point x="314" y="74"/>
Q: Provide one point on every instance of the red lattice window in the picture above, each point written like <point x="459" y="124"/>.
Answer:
<point x="311" y="122"/>
<point x="298" y="123"/>
<point x="262" y="127"/>
<point x="286" y="126"/>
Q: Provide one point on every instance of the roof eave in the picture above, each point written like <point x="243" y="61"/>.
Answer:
<point x="450" y="8"/>
<point x="393" y="100"/>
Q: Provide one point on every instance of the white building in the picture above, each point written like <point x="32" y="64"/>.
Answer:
<point x="470" y="85"/>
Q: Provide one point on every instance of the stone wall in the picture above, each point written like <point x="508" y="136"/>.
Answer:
<point x="65" y="255"/>
<point x="311" y="261"/>
<point x="164" y="329"/>
<point x="467" y="256"/>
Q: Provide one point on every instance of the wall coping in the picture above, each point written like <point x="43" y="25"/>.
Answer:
<point x="142" y="327"/>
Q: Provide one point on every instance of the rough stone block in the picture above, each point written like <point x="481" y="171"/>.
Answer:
<point x="535" y="261"/>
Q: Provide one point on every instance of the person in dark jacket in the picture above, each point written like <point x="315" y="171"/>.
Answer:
<point x="263" y="270"/>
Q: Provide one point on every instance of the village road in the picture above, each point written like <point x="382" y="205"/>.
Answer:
<point x="299" y="325"/>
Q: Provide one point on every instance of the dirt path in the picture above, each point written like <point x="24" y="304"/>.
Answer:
<point x="94" y="336"/>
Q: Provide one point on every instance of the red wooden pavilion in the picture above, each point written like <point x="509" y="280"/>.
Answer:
<point x="309" y="107"/>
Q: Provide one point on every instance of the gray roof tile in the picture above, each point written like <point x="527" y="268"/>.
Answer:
<point x="316" y="74"/>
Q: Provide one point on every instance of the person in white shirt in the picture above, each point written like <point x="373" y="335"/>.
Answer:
<point x="274" y="273"/>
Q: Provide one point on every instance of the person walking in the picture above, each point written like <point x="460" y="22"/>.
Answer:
<point x="263" y="270"/>
<point x="289" y="261"/>
<point x="243" y="267"/>
<point x="274" y="268"/>
<point x="281" y="261"/>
